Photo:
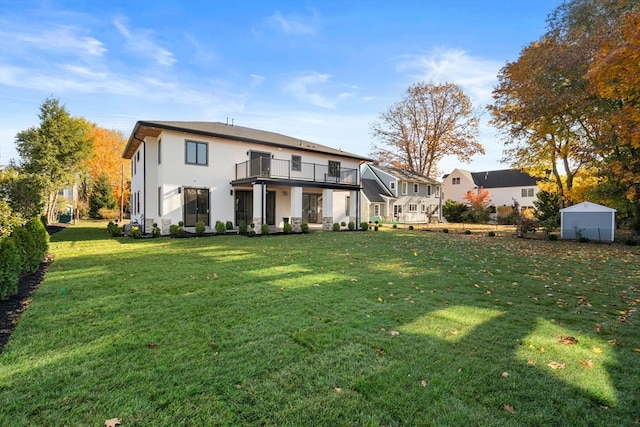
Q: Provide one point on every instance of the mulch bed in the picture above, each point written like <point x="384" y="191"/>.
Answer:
<point x="11" y="309"/>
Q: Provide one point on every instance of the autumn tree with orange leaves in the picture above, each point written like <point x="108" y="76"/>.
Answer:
<point x="107" y="165"/>
<point x="430" y="122"/>
<point x="569" y="104"/>
<point x="478" y="202"/>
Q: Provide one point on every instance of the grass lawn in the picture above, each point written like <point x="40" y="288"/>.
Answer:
<point x="388" y="328"/>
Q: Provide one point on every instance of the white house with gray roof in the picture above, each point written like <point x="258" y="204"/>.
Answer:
<point x="504" y="186"/>
<point x="210" y="171"/>
<point x="399" y="195"/>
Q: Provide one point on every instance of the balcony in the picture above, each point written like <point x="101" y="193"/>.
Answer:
<point x="276" y="169"/>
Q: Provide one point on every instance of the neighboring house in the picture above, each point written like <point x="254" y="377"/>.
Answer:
<point x="505" y="186"/>
<point x="588" y="220"/>
<point x="399" y="195"/>
<point x="208" y="172"/>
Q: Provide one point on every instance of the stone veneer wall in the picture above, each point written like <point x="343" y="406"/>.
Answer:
<point x="296" y="223"/>
<point x="327" y="223"/>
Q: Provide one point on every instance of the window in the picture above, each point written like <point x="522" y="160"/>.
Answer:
<point x="296" y="163"/>
<point x="413" y="207"/>
<point x="437" y="191"/>
<point x="160" y="201"/>
<point x="334" y="169"/>
<point x="159" y="151"/>
<point x="455" y="181"/>
<point x="196" y="152"/>
<point x="428" y="190"/>
<point x="404" y="188"/>
<point x="376" y="210"/>
<point x="527" y="192"/>
<point x="347" y="202"/>
<point x="133" y="165"/>
<point x="423" y="208"/>
<point x="415" y="188"/>
<point x="392" y="185"/>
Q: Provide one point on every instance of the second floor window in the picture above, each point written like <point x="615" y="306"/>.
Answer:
<point x="455" y="180"/>
<point x="159" y="151"/>
<point x="334" y="169"/>
<point x="196" y="153"/>
<point x="296" y="163"/>
<point x="404" y="188"/>
<point x="527" y="192"/>
<point x="415" y="188"/>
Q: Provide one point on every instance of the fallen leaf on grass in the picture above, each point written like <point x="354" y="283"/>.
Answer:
<point x="531" y="362"/>
<point x="556" y="365"/>
<point x="151" y="345"/>
<point x="505" y="374"/>
<point x="636" y="350"/>
<point x="113" y="422"/>
<point x="423" y="383"/>
<point x="354" y="280"/>
<point x="508" y="408"/>
<point x="567" y="340"/>
<point x="380" y="351"/>
<point x="587" y="363"/>
<point x="597" y="350"/>
<point x="394" y="333"/>
<point x="338" y="390"/>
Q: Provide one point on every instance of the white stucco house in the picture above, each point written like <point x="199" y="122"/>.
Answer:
<point x="504" y="186"/>
<point x="399" y="195"/>
<point x="210" y="171"/>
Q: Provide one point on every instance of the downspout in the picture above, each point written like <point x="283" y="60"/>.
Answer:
<point x="144" y="182"/>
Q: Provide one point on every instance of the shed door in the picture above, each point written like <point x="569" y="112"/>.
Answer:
<point x="596" y="226"/>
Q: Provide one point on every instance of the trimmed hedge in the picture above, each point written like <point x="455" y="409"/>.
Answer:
<point x="21" y="253"/>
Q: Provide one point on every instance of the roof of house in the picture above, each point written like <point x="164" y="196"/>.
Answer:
<point x="404" y="175"/>
<point x="503" y="178"/>
<point x="587" y="207"/>
<point x="373" y="191"/>
<point x="143" y="129"/>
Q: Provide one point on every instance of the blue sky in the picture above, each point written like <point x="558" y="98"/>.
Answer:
<point x="316" y="70"/>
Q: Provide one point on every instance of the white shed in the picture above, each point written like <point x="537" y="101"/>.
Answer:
<point x="590" y="220"/>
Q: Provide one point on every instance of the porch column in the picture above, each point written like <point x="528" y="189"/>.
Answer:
<point x="258" y="206"/>
<point x="353" y="206"/>
<point x="327" y="209"/>
<point x="296" y="209"/>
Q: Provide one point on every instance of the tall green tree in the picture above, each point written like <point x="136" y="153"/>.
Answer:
<point x="101" y="197"/>
<point x="54" y="151"/>
<point x="430" y="122"/>
<point x="22" y="191"/>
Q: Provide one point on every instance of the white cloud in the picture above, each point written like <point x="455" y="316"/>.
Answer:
<point x="56" y="39"/>
<point x="307" y="88"/>
<point x="296" y="25"/>
<point x="140" y="42"/>
<point x="256" y="80"/>
<point x="476" y="76"/>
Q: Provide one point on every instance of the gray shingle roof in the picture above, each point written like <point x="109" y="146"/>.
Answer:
<point x="503" y="178"/>
<point x="222" y="130"/>
<point x="373" y="191"/>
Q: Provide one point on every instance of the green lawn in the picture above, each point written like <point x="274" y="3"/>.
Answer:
<point x="387" y="328"/>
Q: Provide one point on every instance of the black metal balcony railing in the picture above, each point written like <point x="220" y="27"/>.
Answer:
<point x="281" y="169"/>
